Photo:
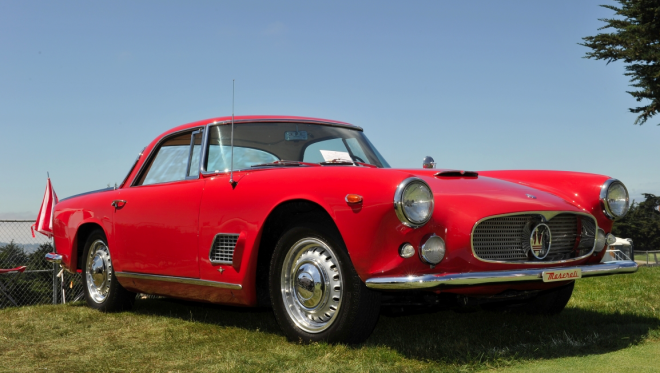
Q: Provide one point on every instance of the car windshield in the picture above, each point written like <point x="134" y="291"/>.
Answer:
<point x="268" y="144"/>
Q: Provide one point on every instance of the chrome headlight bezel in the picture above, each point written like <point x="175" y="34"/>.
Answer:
<point x="604" y="200"/>
<point x="399" y="208"/>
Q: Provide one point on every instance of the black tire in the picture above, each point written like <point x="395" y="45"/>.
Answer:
<point x="102" y="290"/>
<point x="316" y="258"/>
<point x="549" y="302"/>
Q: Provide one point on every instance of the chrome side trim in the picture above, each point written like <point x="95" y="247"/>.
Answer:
<point x="480" y="278"/>
<point x="180" y="280"/>
<point x="547" y="215"/>
<point x="603" y="198"/>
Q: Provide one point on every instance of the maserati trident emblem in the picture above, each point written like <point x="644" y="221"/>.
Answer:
<point x="540" y="241"/>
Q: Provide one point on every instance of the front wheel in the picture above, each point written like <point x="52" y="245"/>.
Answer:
<point x="102" y="291"/>
<point x="315" y="291"/>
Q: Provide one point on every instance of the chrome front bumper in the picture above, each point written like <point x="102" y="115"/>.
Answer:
<point x="480" y="278"/>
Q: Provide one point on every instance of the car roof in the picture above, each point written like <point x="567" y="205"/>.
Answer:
<point x="262" y="118"/>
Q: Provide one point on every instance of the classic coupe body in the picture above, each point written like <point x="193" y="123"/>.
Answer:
<point x="306" y="216"/>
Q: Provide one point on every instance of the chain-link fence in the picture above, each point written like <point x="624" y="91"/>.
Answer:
<point x="41" y="282"/>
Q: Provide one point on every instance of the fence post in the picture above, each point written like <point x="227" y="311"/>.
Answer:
<point x="54" y="284"/>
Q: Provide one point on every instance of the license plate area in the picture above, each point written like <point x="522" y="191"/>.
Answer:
<point x="562" y="275"/>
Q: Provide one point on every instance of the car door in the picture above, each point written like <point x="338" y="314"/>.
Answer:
<point x="157" y="217"/>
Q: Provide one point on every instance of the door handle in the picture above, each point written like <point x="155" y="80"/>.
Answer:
<point x="118" y="203"/>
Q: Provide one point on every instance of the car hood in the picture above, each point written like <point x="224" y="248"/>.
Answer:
<point x="483" y="196"/>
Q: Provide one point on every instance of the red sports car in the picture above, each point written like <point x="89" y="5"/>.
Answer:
<point x="306" y="216"/>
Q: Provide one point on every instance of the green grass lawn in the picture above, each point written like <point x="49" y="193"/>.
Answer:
<point x="611" y="324"/>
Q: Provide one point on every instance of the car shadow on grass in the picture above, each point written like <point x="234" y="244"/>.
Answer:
<point x="473" y="338"/>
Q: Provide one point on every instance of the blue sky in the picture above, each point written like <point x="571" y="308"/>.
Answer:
<point x="478" y="85"/>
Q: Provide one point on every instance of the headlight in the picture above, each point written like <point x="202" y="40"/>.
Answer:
<point x="413" y="202"/>
<point x="614" y="199"/>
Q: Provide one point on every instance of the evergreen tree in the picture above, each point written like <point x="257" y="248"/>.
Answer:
<point x="635" y="40"/>
<point x="12" y="255"/>
<point x="642" y="224"/>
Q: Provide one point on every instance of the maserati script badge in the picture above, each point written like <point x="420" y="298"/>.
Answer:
<point x="540" y="241"/>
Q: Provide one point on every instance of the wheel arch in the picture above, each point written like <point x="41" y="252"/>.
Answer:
<point x="278" y="221"/>
<point x="84" y="230"/>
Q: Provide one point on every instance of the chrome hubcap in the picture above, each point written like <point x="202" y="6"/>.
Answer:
<point x="311" y="285"/>
<point x="98" y="271"/>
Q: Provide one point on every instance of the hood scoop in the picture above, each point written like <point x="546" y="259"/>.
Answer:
<point x="456" y="173"/>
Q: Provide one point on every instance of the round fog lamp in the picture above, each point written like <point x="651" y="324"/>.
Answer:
<point x="433" y="250"/>
<point x="610" y="239"/>
<point x="406" y="250"/>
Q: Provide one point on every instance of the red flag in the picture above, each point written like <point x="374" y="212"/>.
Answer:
<point x="44" y="224"/>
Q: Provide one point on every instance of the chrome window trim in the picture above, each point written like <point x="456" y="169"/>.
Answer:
<point x="152" y="152"/>
<point x="493" y="277"/>
<point x="179" y="280"/>
<point x="190" y="154"/>
<point x="202" y="158"/>
<point x="603" y="199"/>
<point x="398" y="204"/>
<point x="547" y="215"/>
<point x="237" y="235"/>
<point x="132" y="167"/>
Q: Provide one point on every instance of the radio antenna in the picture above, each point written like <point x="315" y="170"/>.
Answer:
<point x="231" y="172"/>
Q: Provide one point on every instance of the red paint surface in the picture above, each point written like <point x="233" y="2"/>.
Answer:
<point x="168" y="229"/>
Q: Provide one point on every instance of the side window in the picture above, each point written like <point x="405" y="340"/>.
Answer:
<point x="171" y="162"/>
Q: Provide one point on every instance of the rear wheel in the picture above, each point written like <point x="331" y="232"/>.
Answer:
<point x="315" y="292"/>
<point x="102" y="291"/>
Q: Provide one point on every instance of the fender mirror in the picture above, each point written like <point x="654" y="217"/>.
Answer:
<point x="428" y="162"/>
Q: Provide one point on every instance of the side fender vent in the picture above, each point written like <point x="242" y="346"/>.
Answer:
<point x="222" y="250"/>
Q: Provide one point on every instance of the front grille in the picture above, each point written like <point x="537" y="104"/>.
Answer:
<point x="506" y="238"/>
<point x="222" y="250"/>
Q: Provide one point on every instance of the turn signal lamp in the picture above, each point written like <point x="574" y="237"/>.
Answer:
<point x="406" y="250"/>
<point x="353" y="198"/>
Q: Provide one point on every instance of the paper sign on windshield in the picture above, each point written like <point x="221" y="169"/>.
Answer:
<point x="331" y="155"/>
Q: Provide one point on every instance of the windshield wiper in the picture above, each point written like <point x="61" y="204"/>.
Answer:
<point x="338" y="161"/>
<point x="284" y="163"/>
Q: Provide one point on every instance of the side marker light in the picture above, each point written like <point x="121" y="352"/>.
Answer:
<point x="353" y="198"/>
